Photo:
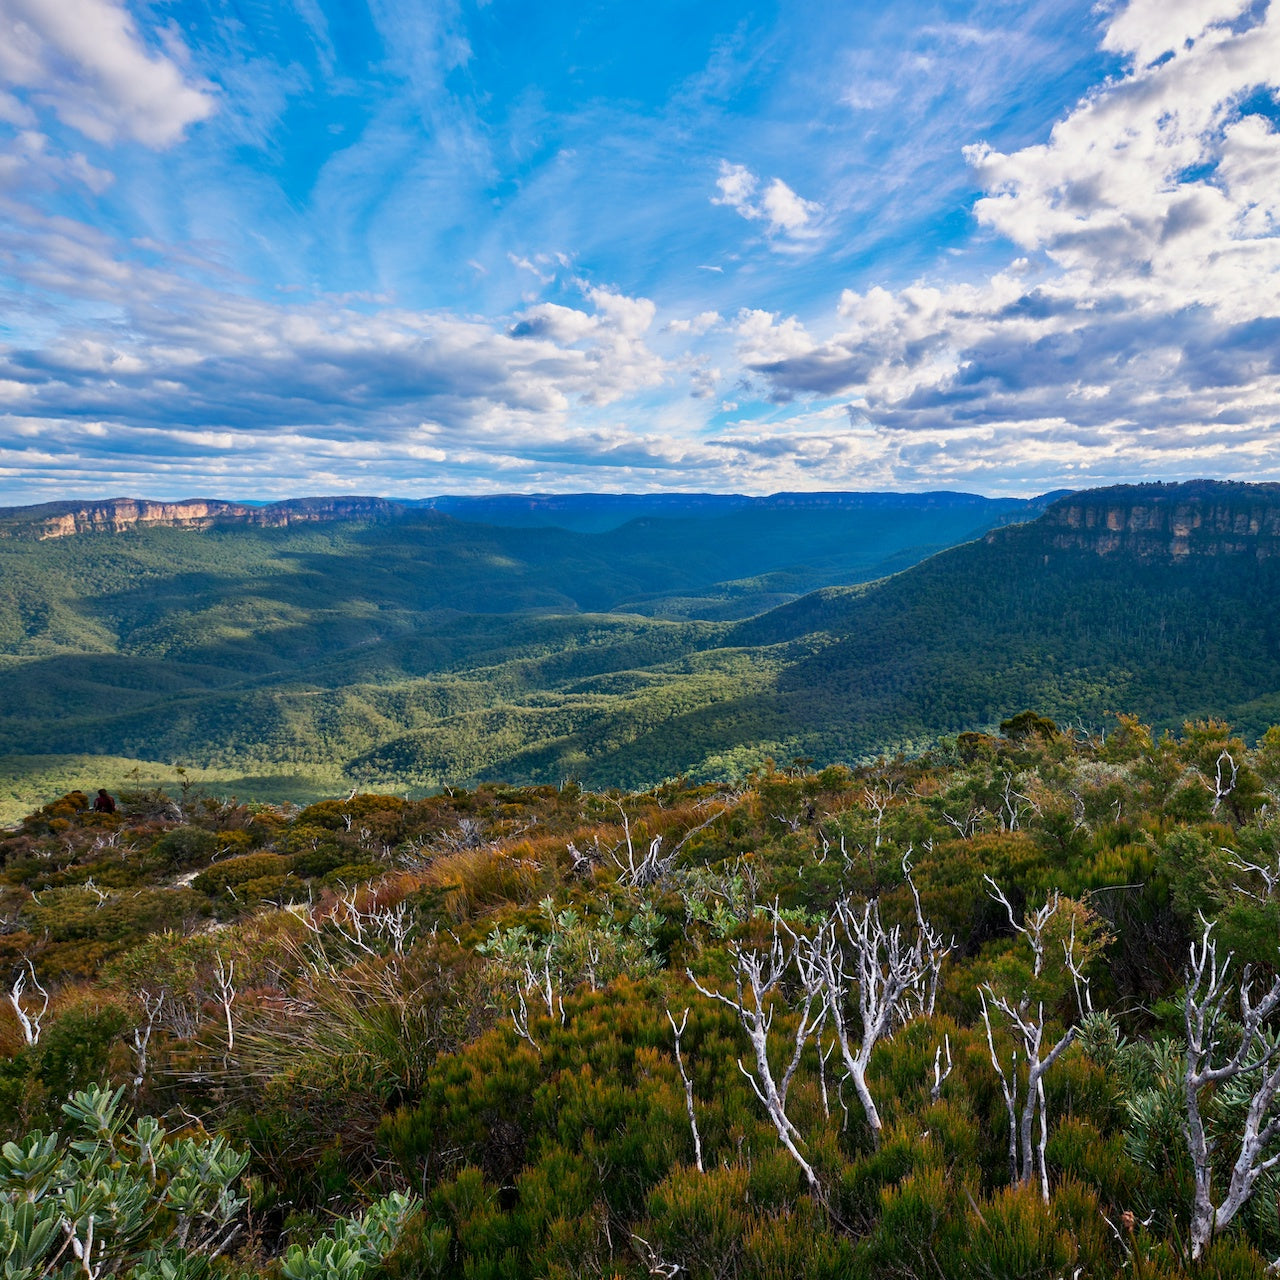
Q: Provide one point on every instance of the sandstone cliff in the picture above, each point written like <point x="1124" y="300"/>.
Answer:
<point x="1167" y="521"/>
<point x="116" y="515"/>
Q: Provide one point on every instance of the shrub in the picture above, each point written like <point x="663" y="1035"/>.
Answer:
<point x="238" y="871"/>
<point x="186" y="847"/>
<point x="699" y="1221"/>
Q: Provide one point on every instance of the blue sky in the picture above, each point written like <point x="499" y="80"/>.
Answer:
<point x="261" y="248"/>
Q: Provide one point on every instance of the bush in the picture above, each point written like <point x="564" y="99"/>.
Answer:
<point x="238" y="871"/>
<point x="186" y="847"/>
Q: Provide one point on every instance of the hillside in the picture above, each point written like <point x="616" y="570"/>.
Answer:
<point x="301" y="635"/>
<point x="550" y="1032"/>
<point x="414" y="649"/>
<point x="1155" y="598"/>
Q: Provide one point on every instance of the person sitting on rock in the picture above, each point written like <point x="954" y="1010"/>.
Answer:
<point x="103" y="803"/>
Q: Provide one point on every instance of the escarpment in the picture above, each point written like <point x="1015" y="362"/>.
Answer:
<point x="1166" y="521"/>
<point x="118" y="515"/>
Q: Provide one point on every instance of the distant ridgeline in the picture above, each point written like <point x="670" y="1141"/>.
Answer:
<point x="621" y="640"/>
<point x="582" y="512"/>
<point x="116" y="515"/>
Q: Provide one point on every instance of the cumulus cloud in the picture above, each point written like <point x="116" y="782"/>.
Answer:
<point x="1149" y="29"/>
<point x="1130" y="327"/>
<point x="702" y="323"/>
<point x="783" y="212"/>
<point x="1138" y="328"/>
<point x="87" y="62"/>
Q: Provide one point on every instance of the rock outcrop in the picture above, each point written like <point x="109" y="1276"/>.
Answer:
<point x="1166" y="521"/>
<point x="117" y="515"/>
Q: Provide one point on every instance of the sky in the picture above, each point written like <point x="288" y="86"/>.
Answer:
<point x="256" y="249"/>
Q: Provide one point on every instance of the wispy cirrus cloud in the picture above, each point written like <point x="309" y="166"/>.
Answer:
<point x="1032" y="245"/>
<point x="186" y="370"/>
<point x="1139" y="329"/>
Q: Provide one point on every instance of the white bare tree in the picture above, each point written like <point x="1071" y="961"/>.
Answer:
<point x="940" y="1073"/>
<point x="1270" y="877"/>
<point x="28" y="1019"/>
<point x="854" y="973"/>
<point x="541" y="982"/>
<point x="1216" y="1053"/>
<point x="224" y="973"/>
<point x="364" y="928"/>
<point x="758" y="973"/>
<point x="1026" y="1021"/>
<point x="1224" y="779"/>
<point x="853" y="950"/>
<point x="653" y="866"/>
<point x="878" y="800"/>
<point x="152" y="1006"/>
<point x="678" y="1030"/>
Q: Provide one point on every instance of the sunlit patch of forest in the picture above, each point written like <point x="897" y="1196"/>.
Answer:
<point x="1003" y="1009"/>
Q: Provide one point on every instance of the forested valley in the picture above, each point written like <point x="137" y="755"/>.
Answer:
<point x="1002" y="1009"/>
<point x="406" y="650"/>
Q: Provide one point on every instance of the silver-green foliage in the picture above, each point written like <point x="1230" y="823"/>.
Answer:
<point x="114" y="1196"/>
<point x="355" y="1245"/>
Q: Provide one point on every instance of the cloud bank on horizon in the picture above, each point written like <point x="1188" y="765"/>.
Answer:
<point x="302" y="246"/>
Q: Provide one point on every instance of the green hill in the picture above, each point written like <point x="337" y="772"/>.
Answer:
<point x="411" y="649"/>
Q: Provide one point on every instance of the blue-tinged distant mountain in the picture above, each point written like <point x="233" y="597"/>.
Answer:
<point x="598" y="512"/>
<point x="1152" y="599"/>
<point x="711" y="556"/>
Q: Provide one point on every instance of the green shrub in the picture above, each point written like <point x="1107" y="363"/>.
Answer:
<point x="237" y="871"/>
<point x="1013" y="1235"/>
<point x="187" y="847"/>
<point x="699" y="1221"/>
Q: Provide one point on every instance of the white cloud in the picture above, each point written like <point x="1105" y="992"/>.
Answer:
<point x="86" y="60"/>
<point x="784" y="212"/>
<point x="702" y="323"/>
<point x="787" y="211"/>
<point x="15" y="112"/>
<point x="526" y="264"/>
<point x="631" y="317"/>
<point x="737" y="186"/>
<point x="1134" y="328"/>
<point x="30" y="160"/>
<point x="1143" y="322"/>
<point x="1149" y="29"/>
<point x="187" y="368"/>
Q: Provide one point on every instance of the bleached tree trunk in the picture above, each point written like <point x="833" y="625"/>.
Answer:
<point x="1204" y="1013"/>
<point x="688" y="1087"/>
<point x="29" y="1021"/>
<point x="151" y="1006"/>
<point x="939" y="1074"/>
<point x="757" y="975"/>
<point x="1026" y="1157"/>
<point x="854" y="949"/>
<point x="225" y="974"/>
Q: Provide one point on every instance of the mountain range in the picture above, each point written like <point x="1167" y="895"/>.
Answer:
<point x="615" y="639"/>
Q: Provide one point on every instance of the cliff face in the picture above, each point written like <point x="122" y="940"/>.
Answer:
<point x="1174" y="521"/>
<point x="116" y="515"/>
